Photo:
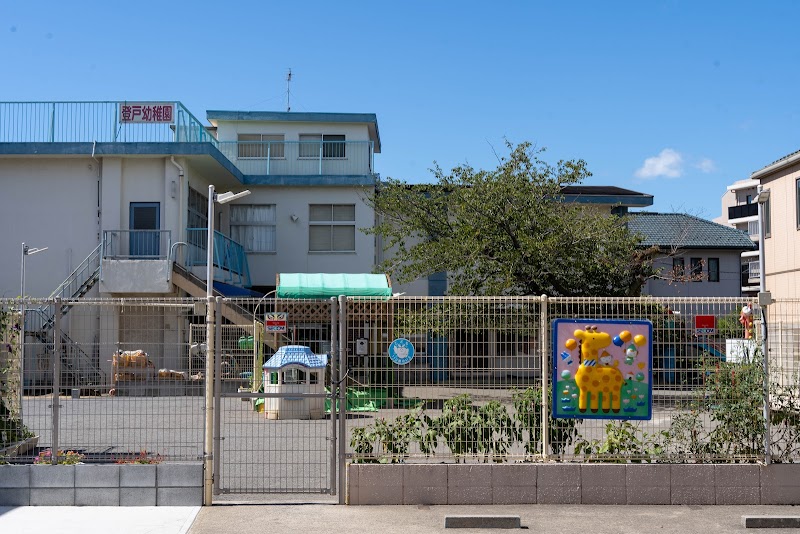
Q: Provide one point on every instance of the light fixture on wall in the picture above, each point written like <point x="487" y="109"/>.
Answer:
<point x="294" y="217"/>
<point x="173" y="188"/>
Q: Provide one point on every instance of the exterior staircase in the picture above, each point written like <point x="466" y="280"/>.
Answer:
<point x="77" y="367"/>
<point x="196" y="287"/>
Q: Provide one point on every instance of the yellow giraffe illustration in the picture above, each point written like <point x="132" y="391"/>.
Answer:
<point x="596" y="381"/>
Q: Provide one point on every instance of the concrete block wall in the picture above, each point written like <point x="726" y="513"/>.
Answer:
<point x="102" y="485"/>
<point x="566" y="483"/>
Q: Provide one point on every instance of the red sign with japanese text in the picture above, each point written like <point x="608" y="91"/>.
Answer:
<point x="147" y="112"/>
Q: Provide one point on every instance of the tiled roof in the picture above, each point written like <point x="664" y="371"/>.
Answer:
<point x="296" y="355"/>
<point x="686" y="231"/>
<point x="784" y="158"/>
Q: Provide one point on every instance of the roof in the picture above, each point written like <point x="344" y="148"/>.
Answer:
<point x="746" y="183"/>
<point x="686" y="231"/>
<point x="788" y="159"/>
<point x="326" y="285"/>
<point x="605" y="194"/>
<point x="370" y="119"/>
<point x="296" y="355"/>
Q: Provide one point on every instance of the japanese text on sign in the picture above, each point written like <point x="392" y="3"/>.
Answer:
<point x="149" y="112"/>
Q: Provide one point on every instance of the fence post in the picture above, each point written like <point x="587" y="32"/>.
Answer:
<point x="767" y="407"/>
<point x="56" y="379"/>
<point x="208" y="442"/>
<point x="342" y="394"/>
<point x="217" y="395"/>
<point x="545" y="373"/>
<point x="333" y="384"/>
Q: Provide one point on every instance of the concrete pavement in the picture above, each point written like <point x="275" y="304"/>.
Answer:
<point x="309" y="516"/>
<point x="96" y="519"/>
<point x="329" y="518"/>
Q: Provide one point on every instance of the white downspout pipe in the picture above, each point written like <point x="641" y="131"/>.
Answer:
<point x="181" y="237"/>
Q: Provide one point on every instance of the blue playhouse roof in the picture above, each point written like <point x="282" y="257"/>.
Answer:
<point x="296" y="355"/>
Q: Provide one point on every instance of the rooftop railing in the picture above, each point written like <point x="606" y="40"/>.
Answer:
<point x="103" y="122"/>
<point x="300" y="157"/>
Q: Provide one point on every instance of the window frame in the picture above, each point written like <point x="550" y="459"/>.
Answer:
<point x="678" y="268"/>
<point x="197" y="209"/>
<point x="331" y="148"/>
<point x="696" y="269"/>
<point x="273" y="224"/>
<point x="797" y="201"/>
<point x="264" y="146"/>
<point x="713" y="274"/>
<point x="331" y="223"/>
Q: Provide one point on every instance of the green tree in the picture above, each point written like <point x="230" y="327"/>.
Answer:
<point x="508" y="231"/>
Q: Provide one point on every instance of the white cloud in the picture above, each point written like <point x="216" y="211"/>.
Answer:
<point x="668" y="163"/>
<point x="706" y="165"/>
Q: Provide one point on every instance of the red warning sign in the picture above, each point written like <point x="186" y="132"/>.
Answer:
<point x="705" y="325"/>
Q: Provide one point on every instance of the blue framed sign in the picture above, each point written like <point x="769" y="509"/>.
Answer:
<point x="602" y="369"/>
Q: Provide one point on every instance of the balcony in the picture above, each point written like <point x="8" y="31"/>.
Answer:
<point x="754" y="271"/>
<point x="101" y="122"/>
<point x="741" y="211"/>
<point x="135" y="261"/>
<point x="300" y="158"/>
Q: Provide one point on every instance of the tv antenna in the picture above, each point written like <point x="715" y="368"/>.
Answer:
<point x="288" y="89"/>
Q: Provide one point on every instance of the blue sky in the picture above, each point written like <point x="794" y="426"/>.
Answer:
<point x="672" y="98"/>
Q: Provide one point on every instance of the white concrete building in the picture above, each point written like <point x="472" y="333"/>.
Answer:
<point x="740" y="211"/>
<point x="118" y="192"/>
<point x="77" y="176"/>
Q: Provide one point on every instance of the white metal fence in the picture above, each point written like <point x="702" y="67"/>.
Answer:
<point x="130" y="380"/>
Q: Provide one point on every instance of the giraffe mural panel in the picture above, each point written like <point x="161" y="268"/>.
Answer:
<point x="602" y="369"/>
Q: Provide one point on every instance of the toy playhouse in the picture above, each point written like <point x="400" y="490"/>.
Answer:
<point x="295" y="369"/>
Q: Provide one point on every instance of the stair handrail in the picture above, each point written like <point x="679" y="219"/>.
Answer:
<point x="84" y="265"/>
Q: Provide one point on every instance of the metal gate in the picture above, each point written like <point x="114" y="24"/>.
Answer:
<point x="272" y="433"/>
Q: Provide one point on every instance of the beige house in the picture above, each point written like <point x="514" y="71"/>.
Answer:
<point x="782" y="225"/>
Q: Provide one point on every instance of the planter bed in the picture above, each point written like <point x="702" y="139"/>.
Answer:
<point x="566" y="483"/>
<point x="165" y="484"/>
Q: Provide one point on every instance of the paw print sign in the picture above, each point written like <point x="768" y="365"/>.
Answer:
<point x="602" y="369"/>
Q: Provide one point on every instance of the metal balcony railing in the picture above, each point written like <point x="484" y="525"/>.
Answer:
<point x="754" y="271"/>
<point x="743" y="210"/>
<point x="752" y="229"/>
<point x="103" y="122"/>
<point x="230" y="260"/>
<point x="300" y="157"/>
<point x="136" y="244"/>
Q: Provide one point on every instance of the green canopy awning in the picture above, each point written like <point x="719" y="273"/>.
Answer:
<point x="326" y="285"/>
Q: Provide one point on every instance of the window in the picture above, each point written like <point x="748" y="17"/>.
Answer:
<point x="254" y="227"/>
<point x="713" y="269"/>
<point x="767" y="225"/>
<point x="198" y="210"/>
<point x="797" y="200"/>
<point x="261" y="146"/>
<point x="333" y="146"/>
<point x="332" y="228"/>
<point x="696" y="269"/>
<point x="749" y="199"/>
<point x="677" y="268"/>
